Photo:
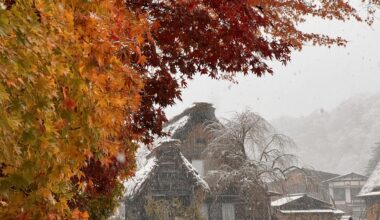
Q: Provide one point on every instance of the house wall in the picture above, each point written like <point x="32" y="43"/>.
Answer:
<point x="219" y="211"/>
<point x="134" y="210"/>
<point x="343" y="192"/>
<point x="195" y="142"/>
<point x="215" y="204"/>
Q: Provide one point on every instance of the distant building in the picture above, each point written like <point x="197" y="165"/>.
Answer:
<point x="344" y="191"/>
<point x="370" y="193"/>
<point x="305" y="181"/>
<point x="302" y="207"/>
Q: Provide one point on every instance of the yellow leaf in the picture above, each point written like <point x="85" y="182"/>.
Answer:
<point x="140" y="39"/>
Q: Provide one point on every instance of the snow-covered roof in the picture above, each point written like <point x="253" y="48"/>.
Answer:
<point x="372" y="186"/>
<point x="342" y="177"/>
<point x="370" y="194"/>
<point x="199" y="180"/>
<point x="286" y="199"/>
<point x="172" y="127"/>
<point x="134" y="185"/>
<point x="162" y="140"/>
<point x="198" y="114"/>
<point x="294" y="197"/>
<point x="335" y="211"/>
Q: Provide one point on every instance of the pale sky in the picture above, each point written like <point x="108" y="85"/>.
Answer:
<point x="316" y="78"/>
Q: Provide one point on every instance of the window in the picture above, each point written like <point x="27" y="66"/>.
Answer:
<point x="228" y="211"/>
<point x="198" y="165"/>
<point x="339" y="194"/>
<point x="354" y="192"/>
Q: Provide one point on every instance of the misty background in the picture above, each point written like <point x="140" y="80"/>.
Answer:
<point x="326" y="99"/>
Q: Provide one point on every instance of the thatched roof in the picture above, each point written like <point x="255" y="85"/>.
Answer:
<point x="199" y="113"/>
<point x="372" y="186"/>
<point x="135" y="185"/>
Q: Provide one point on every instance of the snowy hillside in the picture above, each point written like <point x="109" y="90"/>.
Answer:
<point x="339" y="140"/>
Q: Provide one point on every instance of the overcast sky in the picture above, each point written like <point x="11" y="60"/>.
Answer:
<point x="316" y="78"/>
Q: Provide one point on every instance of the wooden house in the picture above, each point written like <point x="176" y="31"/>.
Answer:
<point x="305" y="180"/>
<point x="167" y="186"/>
<point x="304" y="207"/>
<point x="344" y="190"/>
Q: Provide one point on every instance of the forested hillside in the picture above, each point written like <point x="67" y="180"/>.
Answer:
<point x="339" y="140"/>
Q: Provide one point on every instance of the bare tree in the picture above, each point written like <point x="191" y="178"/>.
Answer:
<point x="247" y="154"/>
<point x="248" y="139"/>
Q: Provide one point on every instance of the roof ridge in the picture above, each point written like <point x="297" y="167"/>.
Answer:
<point x="328" y="180"/>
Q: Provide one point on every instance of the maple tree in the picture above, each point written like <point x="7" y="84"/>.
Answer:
<point x="221" y="38"/>
<point x="66" y="96"/>
<point x="83" y="81"/>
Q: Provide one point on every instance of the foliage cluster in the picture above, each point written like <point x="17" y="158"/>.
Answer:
<point x="222" y="38"/>
<point x="66" y="97"/>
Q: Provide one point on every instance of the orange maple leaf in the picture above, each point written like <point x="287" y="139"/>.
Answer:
<point x="142" y="60"/>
